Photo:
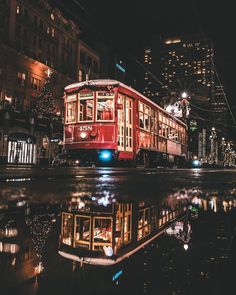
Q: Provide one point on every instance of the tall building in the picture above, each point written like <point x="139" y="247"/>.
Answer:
<point x="186" y="64"/>
<point x="36" y="38"/>
<point x="218" y="105"/>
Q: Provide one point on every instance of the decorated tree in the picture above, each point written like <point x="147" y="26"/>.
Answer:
<point x="46" y="105"/>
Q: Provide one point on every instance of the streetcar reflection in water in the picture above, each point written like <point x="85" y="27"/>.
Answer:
<point x="103" y="231"/>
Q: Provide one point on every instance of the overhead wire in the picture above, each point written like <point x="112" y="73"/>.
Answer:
<point x="212" y="60"/>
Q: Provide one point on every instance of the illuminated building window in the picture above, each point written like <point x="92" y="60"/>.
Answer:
<point x="18" y="9"/>
<point x="21" y="78"/>
<point x="48" y="30"/>
<point x="35" y="83"/>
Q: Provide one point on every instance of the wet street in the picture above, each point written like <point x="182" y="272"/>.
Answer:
<point x="32" y="234"/>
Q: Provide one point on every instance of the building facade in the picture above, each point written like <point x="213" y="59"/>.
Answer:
<point x="186" y="64"/>
<point x="219" y="106"/>
<point x="35" y="40"/>
<point x="150" y="85"/>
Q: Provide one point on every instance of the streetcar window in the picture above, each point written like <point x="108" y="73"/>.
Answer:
<point x="70" y="112"/>
<point x="102" y="230"/>
<point x="144" y="116"/>
<point x="105" y="109"/>
<point x="86" y="107"/>
<point x="67" y="226"/>
<point x="143" y="223"/>
<point x="82" y="230"/>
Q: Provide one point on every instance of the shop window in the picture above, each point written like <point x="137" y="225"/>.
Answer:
<point x="105" y="109"/>
<point x="67" y="228"/>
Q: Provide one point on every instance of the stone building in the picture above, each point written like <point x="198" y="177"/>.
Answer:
<point x="35" y="40"/>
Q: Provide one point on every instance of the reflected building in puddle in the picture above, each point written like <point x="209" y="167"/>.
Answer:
<point x="17" y="254"/>
<point x="24" y="230"/>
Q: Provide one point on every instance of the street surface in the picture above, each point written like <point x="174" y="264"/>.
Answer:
<point x="31" y="200"/>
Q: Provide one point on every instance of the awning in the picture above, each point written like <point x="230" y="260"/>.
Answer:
<point x="22" y="137"/>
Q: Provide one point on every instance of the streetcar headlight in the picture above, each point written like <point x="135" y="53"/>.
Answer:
<point x="196" y="163"/>
<point x="105" y="156"/>
<point x="83" y="135"/>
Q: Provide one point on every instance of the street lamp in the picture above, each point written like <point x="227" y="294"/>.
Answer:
<point x="184" y="94"/>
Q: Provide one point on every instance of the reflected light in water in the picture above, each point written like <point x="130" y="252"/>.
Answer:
<point x="185" y="247"/>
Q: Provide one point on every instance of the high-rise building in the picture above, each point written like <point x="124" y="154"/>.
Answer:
<point x="218" y="105"/>
<point x="149" y="83"/>
<point x="186" y="64"/>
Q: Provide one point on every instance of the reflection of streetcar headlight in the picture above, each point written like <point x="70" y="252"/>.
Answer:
<point x="83" y="135"/>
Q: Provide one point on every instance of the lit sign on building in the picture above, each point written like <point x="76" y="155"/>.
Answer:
<point x="120" y="68"/>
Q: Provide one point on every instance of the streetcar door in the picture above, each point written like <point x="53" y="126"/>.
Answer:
<point x="125" y="124"/>
<point x="128" y="124"/>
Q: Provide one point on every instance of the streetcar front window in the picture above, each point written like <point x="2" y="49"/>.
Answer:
<point x="86" y="107"/>
<point x="82" y="231"/>
<point x="105" y="109"/>
<point x="102" y="230"/>
<point x="70" y="112"/>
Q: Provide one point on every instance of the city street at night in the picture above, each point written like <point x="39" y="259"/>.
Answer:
<point x="117" y="147"/>
<point x="32" y="202"/>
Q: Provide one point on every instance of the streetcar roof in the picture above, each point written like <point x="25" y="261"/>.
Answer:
<point x="109" y="82"/>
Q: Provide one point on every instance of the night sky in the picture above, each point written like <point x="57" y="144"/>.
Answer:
<point x="132" y="24"/>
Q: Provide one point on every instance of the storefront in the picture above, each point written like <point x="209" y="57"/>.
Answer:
<point x="21" y="149"/>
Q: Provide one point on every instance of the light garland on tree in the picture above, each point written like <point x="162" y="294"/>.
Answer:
<point x="40" y="227"/>
<point x="46" y="104"/>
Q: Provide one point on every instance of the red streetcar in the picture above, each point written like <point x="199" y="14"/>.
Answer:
<point x="108" y="121"/>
